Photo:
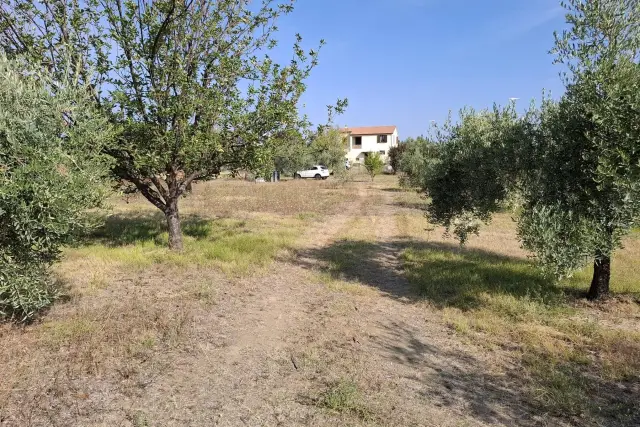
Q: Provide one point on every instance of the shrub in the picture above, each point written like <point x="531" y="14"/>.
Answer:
<point x="51" y="172"/>
<point x="395" y="154"/>
<point x="24" y="289"/>
<point x="374" y="164"/>
<point x="417" y="159"/>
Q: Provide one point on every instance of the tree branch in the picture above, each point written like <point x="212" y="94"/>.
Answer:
<point x="188" y="181"/>
<point x="156" y="40"/>
<point x="159" y="186"/>
<point x="149" y="193"/>
<point x="127" y="51"/>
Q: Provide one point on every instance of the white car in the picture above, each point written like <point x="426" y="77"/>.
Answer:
<point x="317" y="172"/>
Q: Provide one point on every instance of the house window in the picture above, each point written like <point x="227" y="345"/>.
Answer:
<point x="357" y="140"/>
<point x="382" y="152"/>
<point x="382" y="139"/>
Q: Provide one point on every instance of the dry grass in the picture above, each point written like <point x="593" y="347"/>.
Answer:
<point x="55" y="371"/>
<point x="226" y="197"/>
<point x="347" y="286"/>
<point x="136" y="311"/>
<point x="131" y="302"/>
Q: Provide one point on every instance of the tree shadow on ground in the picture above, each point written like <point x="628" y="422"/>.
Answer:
<point x="449" y="276"/>
<point x="396" y="190"/>
<point x="419" y="206"/>
<point x="509" y="395"/>
<point x="455" y="378"/>
<point x="448" y="377"/>
<point x="127" y="229"/>
<point x="369" y="263"/>
<point x="442" y="273"/>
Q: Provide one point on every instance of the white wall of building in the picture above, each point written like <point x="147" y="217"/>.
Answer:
<point x="370" y="144"/>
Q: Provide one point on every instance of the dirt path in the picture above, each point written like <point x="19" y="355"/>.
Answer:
<point x="276" y="344"/>
<point x="330" y="334"/>
<point x="312" y="344"/>
<point x="249" y="354"/>
<point x="424" y="374"/>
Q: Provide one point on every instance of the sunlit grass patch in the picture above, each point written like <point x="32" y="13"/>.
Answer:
<point x="308" y="216"/>
<point x="234" y="246"/>
<point x="229" y="197"/>
<point x="344" y="396"/>
<point x="335" y="283"/>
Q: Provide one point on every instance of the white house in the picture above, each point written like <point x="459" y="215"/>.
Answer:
<point x="372" y="139"/>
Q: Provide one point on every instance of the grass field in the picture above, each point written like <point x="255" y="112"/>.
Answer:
<point x="319" y="303"/>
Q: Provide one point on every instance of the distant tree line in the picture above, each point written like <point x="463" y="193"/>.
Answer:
<point x="295" y="151"/>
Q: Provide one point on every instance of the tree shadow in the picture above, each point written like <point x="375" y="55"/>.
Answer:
<point x="451" y="276"/>
<point x="447" y="275"/>
<point x="370" y="263"/>
<point x="130" y="229"/>
<point x="442" y="273"/>
<point x="456" y="378"/>
<point x="419" y="206"/>
<point x="395" y="190"/>
<point x="507" y="396"/>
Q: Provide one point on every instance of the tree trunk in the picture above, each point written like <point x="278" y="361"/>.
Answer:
<point x="601" y="277"/>
<point x="175" y="230"/>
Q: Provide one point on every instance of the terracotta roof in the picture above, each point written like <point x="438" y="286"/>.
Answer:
<point x="370" y="130"/>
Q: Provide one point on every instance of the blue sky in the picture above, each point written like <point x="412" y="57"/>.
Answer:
<point x="407" y="62"/>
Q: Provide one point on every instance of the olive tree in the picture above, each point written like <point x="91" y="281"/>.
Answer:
<point x="52" y="171"/>
<point x="600" y="115"/>
<point x="415" y="160"/>
<point x="395" y="155"/>
<point x="572" y="166"/>
<point x="473" y="173"/>
<point x="190" y="84"/>
<point x="289" y="152"/>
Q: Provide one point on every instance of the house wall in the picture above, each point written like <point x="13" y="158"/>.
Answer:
<point x="370" y="144"/>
